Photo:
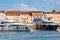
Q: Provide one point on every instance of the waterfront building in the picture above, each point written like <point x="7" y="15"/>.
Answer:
<point x="26" y="18"/>
<point x="37" y="17"/>
<point x="2" y="15"/>
<point x="12" y="15"/>
<point x="37" y="14"/>
<point x="22" y="17"/>
<point x="52" y="16"/>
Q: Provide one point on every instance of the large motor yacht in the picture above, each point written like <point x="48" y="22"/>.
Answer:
<point x="11" y="25"/>
<point x="48" y="25"/>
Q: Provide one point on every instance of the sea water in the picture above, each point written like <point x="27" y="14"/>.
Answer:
<point x="42" y="35"/>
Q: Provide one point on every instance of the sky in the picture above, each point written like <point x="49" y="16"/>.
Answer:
<point x="30" y="5"/>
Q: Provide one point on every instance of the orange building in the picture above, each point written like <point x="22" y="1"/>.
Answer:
<point x="37" y="14"/>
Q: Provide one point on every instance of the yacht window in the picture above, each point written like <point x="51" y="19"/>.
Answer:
<point x="16" y="27"/>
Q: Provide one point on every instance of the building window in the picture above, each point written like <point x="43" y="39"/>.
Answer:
<point x="16" y="14"/>
<point x="31" y="19"/>
<point x="49" y="18"/>
<point x="22" y="21"/>
<point x="26" y="18"/>
<point x="30" y="14"/>
<point x="27" y="22"/>
<point x="45" y="16"/>
<point x="22" y="18"/>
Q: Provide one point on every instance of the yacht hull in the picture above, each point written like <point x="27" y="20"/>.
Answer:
<point x="47" y="27"/>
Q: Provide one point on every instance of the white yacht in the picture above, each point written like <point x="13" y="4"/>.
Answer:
<point x="11" y="25"/>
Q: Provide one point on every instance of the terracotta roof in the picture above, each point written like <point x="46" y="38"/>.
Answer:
<point x="13" y="12"/>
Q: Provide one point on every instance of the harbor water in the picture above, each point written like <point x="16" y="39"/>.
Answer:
<point x="42" y="35"/>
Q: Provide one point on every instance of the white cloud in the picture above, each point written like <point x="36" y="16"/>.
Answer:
<point x="24" y="7"/>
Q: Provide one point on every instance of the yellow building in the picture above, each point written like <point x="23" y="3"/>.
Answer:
<point x="52" y="16"/>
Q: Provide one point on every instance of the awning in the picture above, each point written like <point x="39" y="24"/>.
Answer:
<point x="37" y="20"/>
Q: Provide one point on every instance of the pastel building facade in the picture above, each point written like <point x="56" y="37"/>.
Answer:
<point x="19" y="16"/>
<point x="23" y="16"/>
<point x="27" y="17"/>
<point x="2" y="15"/>
<point x="37" y="14"/>
<point x="51" y="16"/>
<point x="37" y="17"/>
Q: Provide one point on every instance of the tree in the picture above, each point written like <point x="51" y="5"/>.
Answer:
<point x="54" y="11"/>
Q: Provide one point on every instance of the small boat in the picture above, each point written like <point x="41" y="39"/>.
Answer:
<point x="34" y="30"/>
<point x="58" y="29"/>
